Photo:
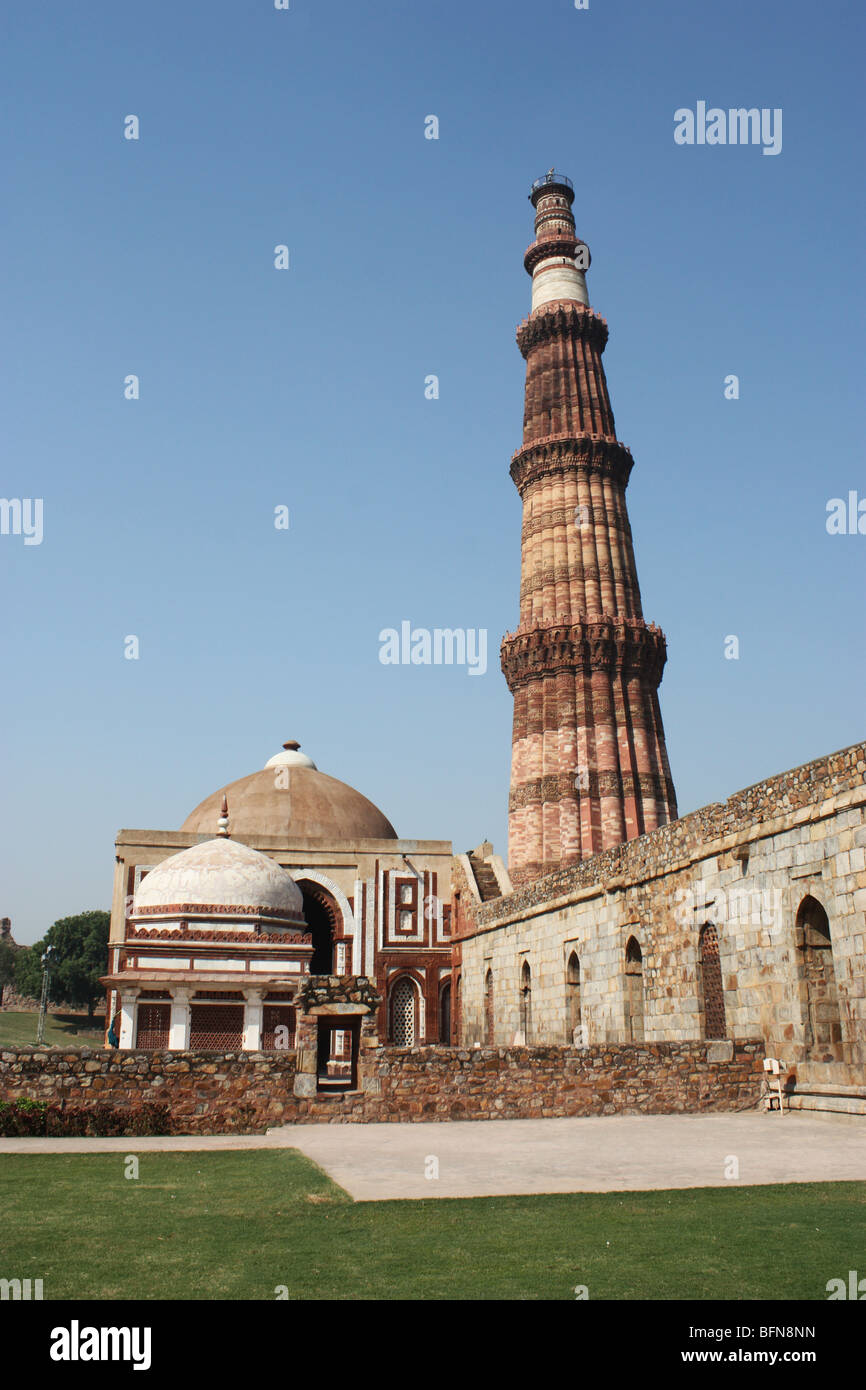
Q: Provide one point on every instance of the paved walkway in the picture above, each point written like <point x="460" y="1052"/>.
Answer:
<point x="617" y="1153"/>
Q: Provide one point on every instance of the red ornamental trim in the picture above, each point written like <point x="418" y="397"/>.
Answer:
<point x="248" y="938"/>
<point x="626" y="646"/>
<point x="213" y="910"/>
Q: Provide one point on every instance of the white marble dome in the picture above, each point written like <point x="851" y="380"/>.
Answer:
<point x="219" y="878"/>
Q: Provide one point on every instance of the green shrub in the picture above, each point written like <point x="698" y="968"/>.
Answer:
<point x="21" y="1118"/>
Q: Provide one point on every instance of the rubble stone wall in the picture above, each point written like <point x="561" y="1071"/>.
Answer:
<point x="210" y="1093"/>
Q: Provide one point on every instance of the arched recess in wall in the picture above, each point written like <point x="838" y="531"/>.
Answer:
<point x="324" y="922"/>
<point x="822" y="1023"/>
<point x="489" y="1017"/>
<point x="526" y="1002"/>
<point x="712" y="991"/>
<point x="321" y="894"/>
<point x="634" y="1001"/>
<point x="572" y="997"/>
<point x="445" y="1013"/>
<point x="403" y="1014"/>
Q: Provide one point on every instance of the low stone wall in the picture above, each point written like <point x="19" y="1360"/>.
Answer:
<point x="219" y="1093"/>
<point x="207" y="1092"/>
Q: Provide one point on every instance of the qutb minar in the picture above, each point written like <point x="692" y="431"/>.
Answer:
<point x="589" y="764"/>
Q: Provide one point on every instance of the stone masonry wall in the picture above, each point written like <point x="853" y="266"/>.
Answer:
<point x="212" y="1093"/>
<point x="744" y="866"/>
<point x="207" y="1092"/>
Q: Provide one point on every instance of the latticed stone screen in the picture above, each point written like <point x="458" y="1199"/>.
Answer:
<point x="216" y="1027"/>
<point x="276" y="1016"/>
<point x="152" y="1024"/>
<point x="403" y="1014"/>
<point x="714" y="994"/>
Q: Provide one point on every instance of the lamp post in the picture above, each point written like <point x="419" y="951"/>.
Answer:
<point x="43" y="1001"/>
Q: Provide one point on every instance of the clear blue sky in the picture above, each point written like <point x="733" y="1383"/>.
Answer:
<point x="306" y="388"/>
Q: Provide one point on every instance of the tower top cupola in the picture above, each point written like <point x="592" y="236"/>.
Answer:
<point x="557" y="258"/>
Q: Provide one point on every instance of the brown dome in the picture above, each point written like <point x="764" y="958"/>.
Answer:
<point x="289" y="800"/>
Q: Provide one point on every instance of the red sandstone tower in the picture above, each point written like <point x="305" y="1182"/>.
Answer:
<point x="589" y="765"/>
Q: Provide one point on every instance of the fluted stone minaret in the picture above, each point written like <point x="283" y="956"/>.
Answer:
<point x="589" y="764"/>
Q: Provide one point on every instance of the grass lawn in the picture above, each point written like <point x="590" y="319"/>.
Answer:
<point x="71" y="1030"/>
<point x="235" y="1225"/>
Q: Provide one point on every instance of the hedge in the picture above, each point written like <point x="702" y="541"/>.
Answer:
<point x="22" y="1118"/>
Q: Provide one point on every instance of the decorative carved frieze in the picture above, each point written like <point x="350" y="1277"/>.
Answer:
<point x="621" y="646"/>
<point x="555" y="455"/>
<point x="609" y="782"/>
<point x="563" y="318"/>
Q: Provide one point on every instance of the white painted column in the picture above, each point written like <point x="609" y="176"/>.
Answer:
<point x="178" y="1029"/>
<point x="253" y="1010"/>
<point x="127" y="1018"/>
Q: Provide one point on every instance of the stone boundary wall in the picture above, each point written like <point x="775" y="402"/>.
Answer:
<point x="207" y="1092"/>
<point x="212" y="1093"/>
<point x="806" y="790"/>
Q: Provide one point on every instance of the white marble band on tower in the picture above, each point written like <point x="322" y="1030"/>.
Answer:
<point x="558" y="278"/>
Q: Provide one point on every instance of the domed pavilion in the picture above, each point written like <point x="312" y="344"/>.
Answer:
<point x="212" y="935"/>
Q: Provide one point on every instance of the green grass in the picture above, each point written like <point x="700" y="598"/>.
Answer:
<point x="71" y="1030"/>
<point x="235" y="1225"/>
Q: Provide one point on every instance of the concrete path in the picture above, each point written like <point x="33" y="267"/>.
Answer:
<point x="617" y="1153"/>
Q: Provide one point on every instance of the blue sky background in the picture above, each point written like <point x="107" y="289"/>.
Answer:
<point x="306" y="388"/>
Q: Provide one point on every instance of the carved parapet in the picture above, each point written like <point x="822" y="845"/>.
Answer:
<point x="560" y="318"/>
<point x="559" y="243"/>
<point x="621" y="646"/>
<point x="567" y="453"/>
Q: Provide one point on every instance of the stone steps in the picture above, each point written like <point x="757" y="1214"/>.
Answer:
<point x="847" y="1100"/>
<point x="488" y="885"/>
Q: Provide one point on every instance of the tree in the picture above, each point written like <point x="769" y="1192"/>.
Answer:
<point x="76" y="951"/>
<point x="7" y="966"/>
<point x="28" y="970"/>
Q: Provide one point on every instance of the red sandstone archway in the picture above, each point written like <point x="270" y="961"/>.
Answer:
<point x="403" y="1012"/>
<point x="324" y="923"/>
<point x="445" y="1013"/>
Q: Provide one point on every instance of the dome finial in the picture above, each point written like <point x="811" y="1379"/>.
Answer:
<point x="291" y="756"/>
<point x="224" y="819"/>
